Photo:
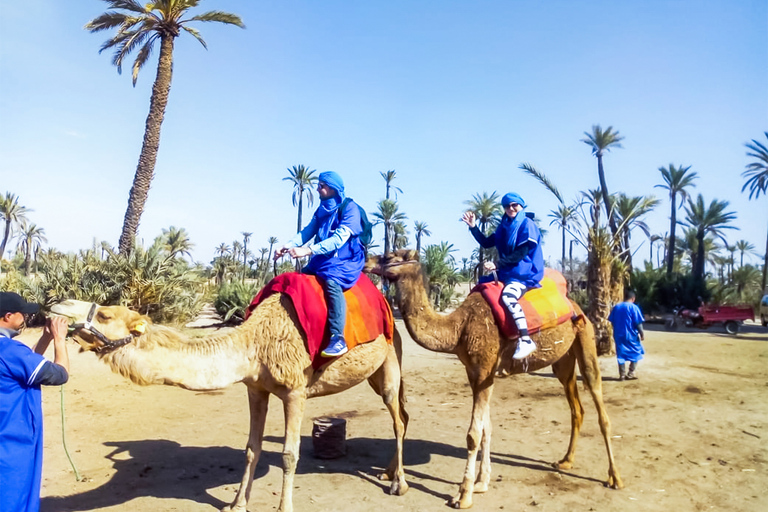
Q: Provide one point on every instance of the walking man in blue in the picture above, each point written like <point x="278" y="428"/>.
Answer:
<point x="22" y="372"/>
<point x="337" y="255"/>
<point x="627" y="321"/>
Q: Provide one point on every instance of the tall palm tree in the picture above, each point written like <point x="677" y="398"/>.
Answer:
<point x="141" y="26"/>
<point x="705" y="220"/>
<point x="13" y="214"/>
<point x="676" y="181"/>
<point x="488" y="211"/>
<point x="222" y="250"/>
<point x="421" y="230"/>
<point x="304" y="181"/>
<point x="389" y="177"/>
<point x="272" y="241"/>
<point x="246" y="238"/>
<point x="757" y="182"/>
<point x="601" y="141"/>
<point x="652" y="240"/>
<point x="31" y="237"/>
<point x="389" y="215"/>
<point x="176" y="241"/>
<point x="744" y="246"/>
<point x="562" y="216"/>
<point x="400" y="238"/>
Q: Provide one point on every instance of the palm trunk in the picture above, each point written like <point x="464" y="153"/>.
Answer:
<point x="671" y="245"/>
<point x="146" y="167"/>
<point x="6" y="235"/>
<point x="27" y="258"/>
<point x="598" y="292"/>
<point x="604" y="191"/>
<point x="698" y="268"/>
<point x="562" y="261"/>
<point x="765" y="264"/>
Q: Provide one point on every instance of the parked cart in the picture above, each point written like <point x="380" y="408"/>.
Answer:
<point x="731" y="316"/>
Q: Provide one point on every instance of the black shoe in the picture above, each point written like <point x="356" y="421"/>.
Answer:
<point x="631" y="376"/>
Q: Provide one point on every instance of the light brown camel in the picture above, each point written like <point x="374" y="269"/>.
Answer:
<point x="267" y="353"/>
<point x="471" y="333"/>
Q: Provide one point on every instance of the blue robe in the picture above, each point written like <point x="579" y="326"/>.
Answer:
<point x="509" y="236"/>
<point x="625" y="317"/>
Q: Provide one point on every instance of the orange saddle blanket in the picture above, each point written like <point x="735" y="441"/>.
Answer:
<point x="544" y="307"/>
<point x="368" y="313"/>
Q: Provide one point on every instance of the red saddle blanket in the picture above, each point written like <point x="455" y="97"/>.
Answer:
<point x="368" y="313"/>
<point x="544" y="307"/>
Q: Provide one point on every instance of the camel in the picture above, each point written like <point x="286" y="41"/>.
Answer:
<point x="471" y="333"/>
<point x="267" y="353"/>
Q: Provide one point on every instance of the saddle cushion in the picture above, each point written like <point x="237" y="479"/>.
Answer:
<point x="544" y="307"/>
<point x="368" y="313"/>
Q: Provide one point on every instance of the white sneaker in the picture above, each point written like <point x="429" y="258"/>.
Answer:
<point x="524" y="348"/>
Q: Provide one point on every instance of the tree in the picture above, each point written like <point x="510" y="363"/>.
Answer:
<point x="601" y="141"/>
<point x="176" y="241"/>
<point x="222" y="250"/>
<point x="757" y="182"/>
<point x="562" y="216"/>
<point x="488" y="211"/>
<point x="388" y="215"/>
<point x="13" y="214"/>
<point x="31" y="237"/>
<point x="420" y="229"/>
<point x="676" y="180"/>
<point x="272" y="241"/>
<point x="389" y="177"/>
<point x="303" y="181"/>
<point x="629" y="211"/>
<point x="141" y="27"/>
<point x="246" y="238"/>
<point x="706" y="220"/>
<point x="744" y="247"/>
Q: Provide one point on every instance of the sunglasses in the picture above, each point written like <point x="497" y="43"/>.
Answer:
<point x="512" y="205"/>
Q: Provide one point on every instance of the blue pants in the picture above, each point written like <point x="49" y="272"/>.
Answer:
<point x="337" y="307"/>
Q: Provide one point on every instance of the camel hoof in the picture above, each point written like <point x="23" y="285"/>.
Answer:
<point x="384" y="477"/>
<point x="398" y="488"/>
<point x="233" y="508"/>
<point x="480" y="487"/>
<point x="614" y="483"/>
<point x="457" y="503"/>
<point x="563" y="464"/>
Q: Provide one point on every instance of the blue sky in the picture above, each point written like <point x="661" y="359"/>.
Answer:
<point x="453" y="95"/>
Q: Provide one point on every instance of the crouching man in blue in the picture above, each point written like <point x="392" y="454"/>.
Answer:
<point x="521" y="262"/>
<point x="337" y="255"/>
<point x="22" y="372"/>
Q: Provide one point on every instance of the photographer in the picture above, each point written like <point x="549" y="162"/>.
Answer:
<point x="22" y="372"/>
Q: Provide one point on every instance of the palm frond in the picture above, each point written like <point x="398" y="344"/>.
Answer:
<point x="196" y="35"/>
<point x="543" y="179"/>
<point x="219" y="16"/>
<point x="106" y="21"/>
<point x="141" y="58"/>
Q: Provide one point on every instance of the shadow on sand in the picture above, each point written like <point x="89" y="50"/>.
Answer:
<point x="165" y="469"/>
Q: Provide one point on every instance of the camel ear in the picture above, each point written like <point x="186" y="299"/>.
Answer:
<point x="411" y="256"/>
<point x="139" y="326"/>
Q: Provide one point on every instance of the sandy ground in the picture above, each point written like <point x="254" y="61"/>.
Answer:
<point x="691" y="434"/>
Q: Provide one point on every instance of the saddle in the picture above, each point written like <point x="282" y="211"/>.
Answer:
<point x="544" y="307"/>
<point x="368" y="313"/>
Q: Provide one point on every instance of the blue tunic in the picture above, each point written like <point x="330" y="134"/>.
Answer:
<point x="21" y="427"/>
<point x="625" y="317"/>
<point x="342" y="264"/>
<point x="508" y="237"/>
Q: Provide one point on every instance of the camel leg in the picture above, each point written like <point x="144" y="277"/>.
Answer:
<point x="293" y="408"/>
<point x="258" y="399"/>
<point x="482" y="389"/>
<point x="388" y="383"/>
<point x="565" y="370"/>
<point x="484" y="476"/>
<point x="586" y="352"/>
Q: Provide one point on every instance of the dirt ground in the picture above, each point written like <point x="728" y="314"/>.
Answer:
<point x="691" y="434"/>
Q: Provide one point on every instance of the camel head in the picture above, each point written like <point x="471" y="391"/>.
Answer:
<point x="394" y="265"/>
<point x="101" y="328"/>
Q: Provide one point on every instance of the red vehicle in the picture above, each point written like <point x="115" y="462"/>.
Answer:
<point x="709" y="314"/>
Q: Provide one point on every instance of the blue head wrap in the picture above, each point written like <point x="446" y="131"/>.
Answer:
<point x="512" y="197"/>
<point x="329" y="206"/>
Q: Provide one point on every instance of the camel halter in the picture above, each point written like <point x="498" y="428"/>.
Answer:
<point x="108" y="344"/>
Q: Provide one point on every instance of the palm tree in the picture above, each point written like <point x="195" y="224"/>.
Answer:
<point x="420" y="229"/>
<point x="176" y="241"/>
<point x="31" y="237"/>
<point x="272" y="241"/>
<point x="488" y="211"/>
<point x="653" y="239"/>
<point x="389" y="177"/>
<point x="744" y="247"/>
<point x="629" y="211"/>
<point x="389" y="215"/>
<point x="706" y="220"/>
<point x="141" y="26"/>
<point x="400" y="238"/>
<point x="246" y="238"/>
<point x="303" y="181"/>
<point x="601" y="141"/>
<point x="676" y="180"/>
<point x="222" y="250"/>
<point x="13" y="214"/>
<point x="757" y="182"/>
<point x="562" y="216"/>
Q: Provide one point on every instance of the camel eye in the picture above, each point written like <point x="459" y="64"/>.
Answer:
<point x="104" y="316"/>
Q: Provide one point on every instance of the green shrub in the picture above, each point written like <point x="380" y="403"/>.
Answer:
<point x="232" y="298"/>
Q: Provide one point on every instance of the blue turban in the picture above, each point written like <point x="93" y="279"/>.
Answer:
<point x="334" y="181"/>
<point x="512" y="197"/>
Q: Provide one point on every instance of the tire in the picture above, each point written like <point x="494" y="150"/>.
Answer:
<point x="764" y="321"/>
<point x="731" y="327"/>
<point x="670" y="324"/>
